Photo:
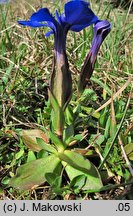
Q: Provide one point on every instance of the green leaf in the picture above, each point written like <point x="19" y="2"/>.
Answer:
<point x="106" y="149"/>
<point x="75" y="165"/>
<point x="107" y="128"/>
<point x="103" y="117"/>
<point x="129" y="148"/>
<point x="7" y="74"/>
<point x="42" y="154"/>
<point x="87" y="95"/>
<point x="57" y="142"/>
<point x="97" y="139"/>
<point x="45" y="146"/>
<point x="68" y="133"/>
<point x="29" y="139"/>
<point x="100" y="139"/>
<point x="78" y="183"/>
<point x="131" y="156"/>
<point x="69" y="115"/>
<point x="77" y="138"/>
<point x="96" y="115"/>
<point x="33" y="173"/>
<point x="31" y="156"/>
<point x="19" y="154"/>
<point x="5" y="180"/>
<point x="54" y="179"/>
<point x="88" y="110"/>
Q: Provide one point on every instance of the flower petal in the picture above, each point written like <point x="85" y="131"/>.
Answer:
<point x="61" y="18"/>
<point x="101" y="30"/>
<point x="49" y="33"/>
<point x="33" y="24"/>
<point x="77" y="28"/>
<point x="42" y="15"/>
<point x="78" y="13"/>
<point x="37" y="20"/>
<point x="101" y="24"/>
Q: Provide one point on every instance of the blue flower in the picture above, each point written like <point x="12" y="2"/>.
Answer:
<point x="101" y="30"/>
<point x="77" y="16"/>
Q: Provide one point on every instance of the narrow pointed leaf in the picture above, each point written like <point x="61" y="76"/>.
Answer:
<point x="69" y="116"/>
<point x="31" y="156"/>
<point x="45" y="146"/>
<point x="56" y="141"/>
<point x="68" y="133"/>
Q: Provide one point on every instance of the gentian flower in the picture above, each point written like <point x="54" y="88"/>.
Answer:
<point x="77" y="15"/>
<point x="101" y="30"/>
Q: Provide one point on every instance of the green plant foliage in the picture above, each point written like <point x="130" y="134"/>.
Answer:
<point x="75" y="165"/>
<point x="129" y="151"/>
<point x="29" y="139"/>
<point x="31" y="156"/>
<point x="46" y="147"/>
<point x="55" y="181"/>
<point x="33" y="173"/>
<point x="60" y="146"/>
<point x="78" y="183"/>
